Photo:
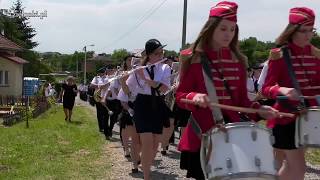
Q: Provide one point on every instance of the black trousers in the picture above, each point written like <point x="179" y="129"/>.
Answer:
<point x="115" y="107"/>
<point x="103" y="118"/>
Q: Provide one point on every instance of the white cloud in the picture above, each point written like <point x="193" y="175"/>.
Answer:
<point x="71" y="25"/>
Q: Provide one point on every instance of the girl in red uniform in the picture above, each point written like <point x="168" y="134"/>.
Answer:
<point x="305" y="60"/>
<point x="218" y="41"/>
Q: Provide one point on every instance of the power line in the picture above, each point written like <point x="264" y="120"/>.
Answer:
<point x="143" y="19"/>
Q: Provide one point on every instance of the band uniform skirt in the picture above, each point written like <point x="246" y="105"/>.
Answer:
<point x="181" y="116"/>
<point x="124" y="117"/>
<point x="190" y="161"/>
<point x="284" y="136"/>
<point x="150" y="113"/>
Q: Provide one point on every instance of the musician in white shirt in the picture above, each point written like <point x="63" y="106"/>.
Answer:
<point x="112" y="102"/>
<point x="99" y="82"/>
<point x="127" y="128"/>
<point x="149" y="111"/>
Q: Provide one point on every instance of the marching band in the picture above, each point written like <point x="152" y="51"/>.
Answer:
<point x="205" y="93"/>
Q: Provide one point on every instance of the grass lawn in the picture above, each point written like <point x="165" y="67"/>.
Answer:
<point x="54" y="149"/>
<point x="313" y="156"/>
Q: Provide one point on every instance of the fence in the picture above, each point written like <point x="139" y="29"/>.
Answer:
<point x="24" y="107"/>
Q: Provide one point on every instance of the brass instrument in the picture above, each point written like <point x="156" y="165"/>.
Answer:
<point x="97" y="95"/>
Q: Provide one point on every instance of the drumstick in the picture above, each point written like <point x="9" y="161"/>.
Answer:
<point x="316" y="97"/>
<point x="305" y="97"/>
<point x="238" y="109"/>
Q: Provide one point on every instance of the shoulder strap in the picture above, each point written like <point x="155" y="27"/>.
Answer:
<point x="292" y="75"/>
<point x="207" y="75"/>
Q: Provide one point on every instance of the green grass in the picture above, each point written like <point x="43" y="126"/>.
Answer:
<point x="53" y="149"/>
<point x="313" y="156"/>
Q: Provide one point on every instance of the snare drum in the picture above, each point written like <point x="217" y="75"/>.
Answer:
<point x="243" y="152"/>
<point x="308" y="128"/>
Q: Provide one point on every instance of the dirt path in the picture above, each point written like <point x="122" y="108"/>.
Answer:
<point x="166" y="167"/>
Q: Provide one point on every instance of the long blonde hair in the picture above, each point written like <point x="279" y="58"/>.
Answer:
<point x="204" y="39"/>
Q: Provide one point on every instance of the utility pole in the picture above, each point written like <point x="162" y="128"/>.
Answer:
<point x="85" y="63"/>
<point x="184" y="26"/>
<point x="77" y="65"/>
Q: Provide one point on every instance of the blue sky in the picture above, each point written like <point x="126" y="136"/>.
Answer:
<point x="72" y="24"/>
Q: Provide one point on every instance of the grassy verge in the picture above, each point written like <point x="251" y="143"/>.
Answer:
<point x="313" y="156"/>
<point x="54" y="149"/>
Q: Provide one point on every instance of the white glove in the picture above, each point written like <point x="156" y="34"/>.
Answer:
<point x="131" y="112"/>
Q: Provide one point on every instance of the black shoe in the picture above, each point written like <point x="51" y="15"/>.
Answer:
<point x="139" y="162"/>
<point x="164" y="152"/>
<point x="127" y="156"/>
<point x="135" y="170"/>
<point x="107" y="138"/>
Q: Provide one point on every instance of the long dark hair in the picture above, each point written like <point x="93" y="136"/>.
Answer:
<point x="286" y="36"/>
<point x="204" y="39"/>
<point x="124" y="63"/>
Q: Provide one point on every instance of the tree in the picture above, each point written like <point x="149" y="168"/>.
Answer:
<point x="23" y="25"/>
<point x="170" y="53"/>
<point x="248" y="47"/>
<point x="118" y="55"/>
<point x="10" y="29"/>
<point x="316" y="40"/>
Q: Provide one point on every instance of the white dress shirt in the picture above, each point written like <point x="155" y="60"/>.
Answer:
<point x="99" y="81"/>
<point x="162" y="74"/>
<point x="114" y="86"/>
<point x="263" y="75"/>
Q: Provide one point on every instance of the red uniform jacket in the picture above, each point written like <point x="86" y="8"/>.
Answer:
<point x="192" y="82"/>
<point x="306" y="65"/>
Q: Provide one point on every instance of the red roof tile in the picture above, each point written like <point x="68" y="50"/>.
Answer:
<point x="8" y="45"/>
<point x="15" y="59"/>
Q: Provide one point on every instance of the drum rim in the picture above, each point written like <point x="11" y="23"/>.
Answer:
<point x="237" y="125"/>
<point x="245" y="175"/>
<point x="314" y="108"/>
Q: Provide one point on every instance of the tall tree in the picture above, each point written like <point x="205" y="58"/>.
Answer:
<point x="118" y="55"/>
<point x="316" y="40"/>
<point x="23" y="25"/>
<point x="10" y="29"/>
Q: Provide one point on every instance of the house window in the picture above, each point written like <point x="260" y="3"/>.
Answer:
<point x="4" y="78"/>
<point x="1" y="77"/>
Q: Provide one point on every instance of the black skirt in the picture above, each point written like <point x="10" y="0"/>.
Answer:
<point x="284" y="136"/>
<point x="181" y="116"/>
<point x="150" y="114"/>
<point x="190" y="161"/>
<point x="125" y="119"/>
<point x="68" y="102"/>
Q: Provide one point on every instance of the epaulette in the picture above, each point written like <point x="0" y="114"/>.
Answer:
<point x="275" y="54"/>
<point x="315" y="51"/>
<point x="185" y="54"/>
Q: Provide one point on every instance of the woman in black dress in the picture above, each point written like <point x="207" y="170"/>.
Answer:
<point x="69" y="90"/>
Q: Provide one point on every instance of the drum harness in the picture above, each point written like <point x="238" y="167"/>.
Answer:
<point x="216" y="112"/>
<point x="303" y="103"/>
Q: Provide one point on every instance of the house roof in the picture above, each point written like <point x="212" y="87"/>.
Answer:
<point x="15" y="59"/>
<point x="8" y="45"/>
